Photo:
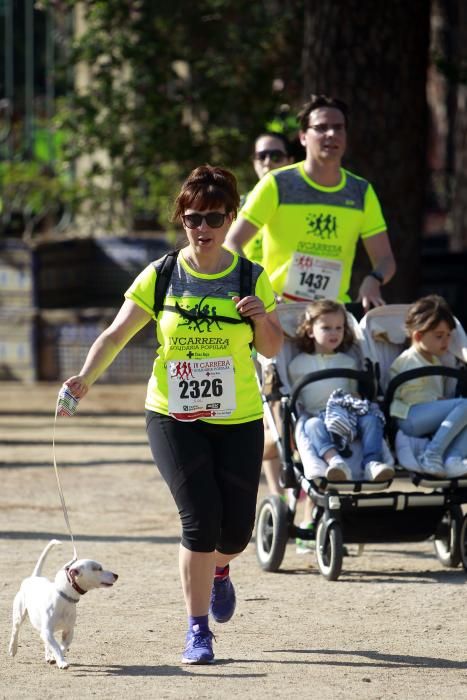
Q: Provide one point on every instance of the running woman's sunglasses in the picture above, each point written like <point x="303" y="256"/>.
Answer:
<point x="214" y="219"/>
<point x="275" y="155"/>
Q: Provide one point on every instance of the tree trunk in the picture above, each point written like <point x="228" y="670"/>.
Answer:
<point x="458" y="214"/>
<point x="374" y="54"/>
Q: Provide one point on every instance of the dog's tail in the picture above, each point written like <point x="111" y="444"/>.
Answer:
<point x="38" y="568"/>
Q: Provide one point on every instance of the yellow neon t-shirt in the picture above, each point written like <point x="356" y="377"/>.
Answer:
<point x="312" y="229"/>
<point x="207" y="337"/>
<point x="253" y="250"/>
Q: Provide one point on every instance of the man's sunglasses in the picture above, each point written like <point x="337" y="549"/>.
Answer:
<point x="275" y="156"/>
<point x="214" y="219"/>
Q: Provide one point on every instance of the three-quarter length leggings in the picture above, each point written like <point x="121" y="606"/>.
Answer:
<point x="212" y="471"/>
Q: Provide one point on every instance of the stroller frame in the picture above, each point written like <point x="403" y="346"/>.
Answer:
<point x="359" y="512"/>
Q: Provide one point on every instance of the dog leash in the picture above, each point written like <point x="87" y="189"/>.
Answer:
<point x="67" y="404"/>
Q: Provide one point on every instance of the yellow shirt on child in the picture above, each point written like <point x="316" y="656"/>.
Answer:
<point x="421" y="390"/>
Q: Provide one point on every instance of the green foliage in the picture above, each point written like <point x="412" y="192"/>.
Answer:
<point x="33" y="190"/>
<point x="174" y="84"/>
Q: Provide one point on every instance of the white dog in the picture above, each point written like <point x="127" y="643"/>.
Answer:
<point x="52" y="606"/>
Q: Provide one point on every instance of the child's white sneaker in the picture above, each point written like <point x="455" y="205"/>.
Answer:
<point x="338" y="470"/>
<point x="377" y="471"/>
<point x="455" y="467"/>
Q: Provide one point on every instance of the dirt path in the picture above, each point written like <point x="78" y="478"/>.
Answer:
<point x="394" y="625"/>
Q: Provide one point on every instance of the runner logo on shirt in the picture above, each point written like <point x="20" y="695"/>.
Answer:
<point x="201" y="317"/>
<point x="322" y="226"/>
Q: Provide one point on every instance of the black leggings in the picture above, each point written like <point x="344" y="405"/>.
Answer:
<point x="213" y="474"/>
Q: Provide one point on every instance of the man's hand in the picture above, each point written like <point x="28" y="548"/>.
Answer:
<point x="382" y="260"/>
<point x="370" y="293"/>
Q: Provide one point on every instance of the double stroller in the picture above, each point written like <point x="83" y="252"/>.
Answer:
<point x="359" y="511"/>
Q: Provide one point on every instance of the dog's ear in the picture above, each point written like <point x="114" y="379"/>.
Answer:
<point x="74" y="572"/>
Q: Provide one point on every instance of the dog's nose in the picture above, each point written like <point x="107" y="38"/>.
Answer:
<point x="115" y="576"/>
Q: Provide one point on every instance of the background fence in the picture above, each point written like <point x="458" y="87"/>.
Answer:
<point x="56" y="298"/>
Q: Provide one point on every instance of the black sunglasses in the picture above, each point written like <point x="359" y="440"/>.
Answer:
<point x="275" y="156"/>
<point x="214" y="219"/>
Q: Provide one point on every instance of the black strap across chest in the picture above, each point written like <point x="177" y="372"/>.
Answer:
<point x="164" y="271"/>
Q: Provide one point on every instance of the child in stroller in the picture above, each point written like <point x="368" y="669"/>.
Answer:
<point x="420" y="406"/>
<point x="334" y="415"/>
<point x="415" y="508"/>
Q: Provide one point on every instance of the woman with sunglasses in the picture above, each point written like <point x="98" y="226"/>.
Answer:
<point x="271" y="151"/>
<point x="203" y="407"/>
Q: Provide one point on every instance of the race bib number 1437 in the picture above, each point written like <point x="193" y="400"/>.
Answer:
<point x="310" y="278"/>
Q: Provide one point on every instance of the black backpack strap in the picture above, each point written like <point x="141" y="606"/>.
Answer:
<point x="246" y="282"/>
<point x="246" y="277"/>
<point x="164" y="271"/>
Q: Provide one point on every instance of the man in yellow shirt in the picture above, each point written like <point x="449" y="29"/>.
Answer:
<point x="313" y="214"/>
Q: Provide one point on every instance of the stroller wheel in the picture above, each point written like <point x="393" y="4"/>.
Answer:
<point x="448" y="537"/>
<point x="272" y="533"/>
<point x="329" y="549"/>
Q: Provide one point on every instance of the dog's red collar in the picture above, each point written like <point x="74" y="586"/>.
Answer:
<point x="73" y="583"/>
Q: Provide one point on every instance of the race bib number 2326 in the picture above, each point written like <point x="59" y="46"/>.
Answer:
<point x="201" y="388"/>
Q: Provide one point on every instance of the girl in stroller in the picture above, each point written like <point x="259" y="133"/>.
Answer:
<point x="420" y="406"/>
<point x="325" y="336"/>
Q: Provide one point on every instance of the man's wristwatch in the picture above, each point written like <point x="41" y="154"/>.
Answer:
<point x="377" y="275"/>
